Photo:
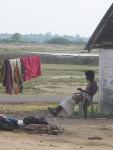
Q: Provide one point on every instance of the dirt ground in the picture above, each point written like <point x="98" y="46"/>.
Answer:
<point x="86" y="134"/>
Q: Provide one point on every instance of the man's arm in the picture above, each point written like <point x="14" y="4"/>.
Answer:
<point x="85" y="91"/>
<point x="91" y="90"/>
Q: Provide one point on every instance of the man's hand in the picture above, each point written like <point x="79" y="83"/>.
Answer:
<point x="79" y="89"/>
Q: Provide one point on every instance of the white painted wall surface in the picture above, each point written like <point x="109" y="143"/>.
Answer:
<point x="106" y="79"/>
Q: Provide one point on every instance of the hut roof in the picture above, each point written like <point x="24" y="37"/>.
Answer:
<point x="102" y="37"/>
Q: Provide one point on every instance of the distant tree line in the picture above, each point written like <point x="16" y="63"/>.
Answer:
<point x="47" y="38"/>
<point x="61" y="40"/>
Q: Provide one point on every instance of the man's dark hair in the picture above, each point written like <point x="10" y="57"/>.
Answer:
<point x="90" y="73"/>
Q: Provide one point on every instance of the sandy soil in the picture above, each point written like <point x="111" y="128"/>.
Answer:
<point x="87" y="134"/>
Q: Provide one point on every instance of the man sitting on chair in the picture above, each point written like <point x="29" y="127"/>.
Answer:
<point x="84" y="96"/>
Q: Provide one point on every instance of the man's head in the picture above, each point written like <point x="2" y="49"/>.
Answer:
<point x="90" y="75"/>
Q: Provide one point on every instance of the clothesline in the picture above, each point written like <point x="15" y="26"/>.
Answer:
<point x="14" y="56"/>
<point x="15" y="71"/>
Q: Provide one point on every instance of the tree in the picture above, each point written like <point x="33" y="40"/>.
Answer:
<point x="58" y="40"/>
<point x="16" y="37"/>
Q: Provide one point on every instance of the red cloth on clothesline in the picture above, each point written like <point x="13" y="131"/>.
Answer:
<point x="32" y="67"/>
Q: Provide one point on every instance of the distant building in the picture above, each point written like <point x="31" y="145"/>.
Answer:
<point x="102" y="38"/>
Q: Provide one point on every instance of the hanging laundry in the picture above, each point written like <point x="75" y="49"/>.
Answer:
<point x="16" y="75"/>
<point x="8" y="82"/>
<point x="14" y="72"/>
<point x="32" y="67"/>
<point x="2" y="71"/>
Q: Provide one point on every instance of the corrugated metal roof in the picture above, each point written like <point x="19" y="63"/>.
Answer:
<point x="102" y="37"/>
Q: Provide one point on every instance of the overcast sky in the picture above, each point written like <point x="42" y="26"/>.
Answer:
<point x="57" y="16"/>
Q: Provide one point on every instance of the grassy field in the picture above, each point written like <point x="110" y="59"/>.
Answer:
<point x="57" y="79"/>
<point x="40" y="109"/>
<point x="21" y="110"/>
<point x="21" y="47"/>
<point x="18" y="48"/>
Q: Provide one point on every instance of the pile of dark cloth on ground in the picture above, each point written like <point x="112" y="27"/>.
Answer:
<point x="8" y="123"/>
<point x="31" y="124"/>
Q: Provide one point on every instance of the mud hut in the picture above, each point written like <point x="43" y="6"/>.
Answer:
<point x="102" y="39"/>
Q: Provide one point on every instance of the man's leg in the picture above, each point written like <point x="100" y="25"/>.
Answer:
<point x="55" y="111"/>
<point x="85" y="106"/>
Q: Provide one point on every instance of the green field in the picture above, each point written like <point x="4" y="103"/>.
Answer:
<point x="54" y="48"/>
<point x="57" y="79"/>
<point x="18" y="48"/>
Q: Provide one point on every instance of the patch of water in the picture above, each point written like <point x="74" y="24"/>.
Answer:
<point x="64" y="54"/>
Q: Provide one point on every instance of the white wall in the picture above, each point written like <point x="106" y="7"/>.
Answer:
<point x="106" y="80"/>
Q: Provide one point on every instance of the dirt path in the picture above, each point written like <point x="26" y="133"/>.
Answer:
<point x="79" y="134"/>
<point x="4" y="99"/>
<point x="28" y="98"/>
